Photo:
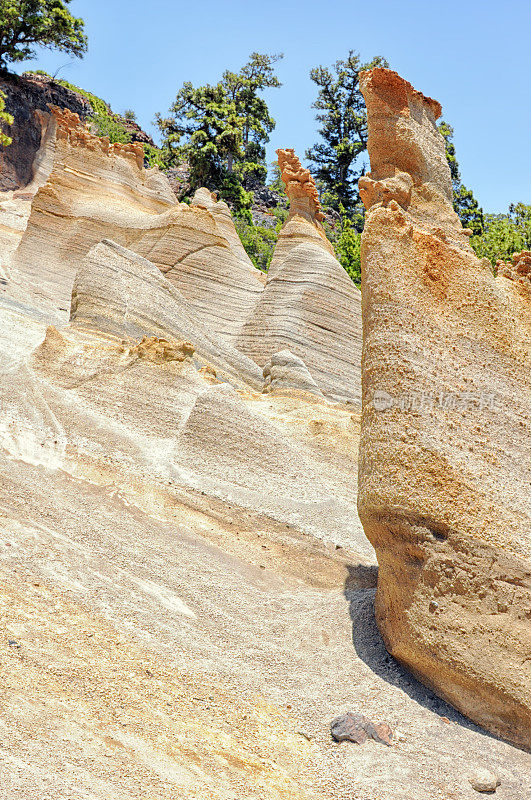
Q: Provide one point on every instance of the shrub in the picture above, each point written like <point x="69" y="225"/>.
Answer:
<point x="504" y="234"/>
<point x="154" y="157"/>
<point x="5" y="119"/>
<point x="347" y="245"/>
<point x="233" y="193"/>
<point x="259" y="242"/>
<point x="107" y="125"/>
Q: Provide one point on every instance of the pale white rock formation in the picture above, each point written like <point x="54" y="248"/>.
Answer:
<point x="309" y="304"/>
<point x="85" y="190"/>
<point x="185" y="588"/>
<point x="284" y="372"/>
<point x="122" y="294"/>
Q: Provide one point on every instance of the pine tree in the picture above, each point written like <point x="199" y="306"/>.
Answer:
<point x="222" y="130"/>
<point x="335" y="161"/>
<point x="25" y="24"/>
<point x="465" y="204"/>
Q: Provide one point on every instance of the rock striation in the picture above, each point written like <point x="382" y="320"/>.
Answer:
<point x="185" y="587"/>
<point x="308" y="305"/>
<point x="286" y="372"/>
<point x="444" y="453"/>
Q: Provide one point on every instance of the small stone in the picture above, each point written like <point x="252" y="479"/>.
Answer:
<point x="483" y="780"/>
<point x="353" y="727"/>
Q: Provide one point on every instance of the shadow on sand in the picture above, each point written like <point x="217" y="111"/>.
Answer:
<point x="369" y="646"/>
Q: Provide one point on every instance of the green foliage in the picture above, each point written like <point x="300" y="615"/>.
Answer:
<point x="504" y="234"/>
<point x="210" y="128"/>
<point x="25" y="24"/>
<point x="259" y="242"/>
<point x="130" y="114"/>
<point x="108" y="125"/>
<point x="242" y="88"/>
<point x="233" y="193"/>
<point x="5" y="119"/>
<point x="281" y="214"/>
<point x="153" y="156"/>
<point x="465" y="204"/>
<point x="103" y="121"/>
<point x="222" y="130"/>
<point x="277" y="184"/>
<point x="343" y="130"/>
<point x="98" y="105"/>
<point x="347" y="246"/>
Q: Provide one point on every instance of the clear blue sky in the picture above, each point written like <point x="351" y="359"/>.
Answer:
<point x="473" y="56"/>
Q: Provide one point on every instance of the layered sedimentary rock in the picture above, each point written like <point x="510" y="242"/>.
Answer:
<point x="444" y="454"/>
<point x="93" y="190"/>
<point x="185" y="587"/>
<point x="124" y="295"/>
<point x="85" y="190"/>
<point x="285" y="372"/>
<point x="309" y="304"/>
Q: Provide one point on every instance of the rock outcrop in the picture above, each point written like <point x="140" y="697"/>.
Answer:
<point x="122" y="294"/>
<point x="444" y="454"/>
<point x="28" y="99"/>
<point x="309" y="305"/>
<point x="286" y="372"/>
<point x="85" y="190"/>
<point x="518" y="269"/>
<point x="185" y="587"/>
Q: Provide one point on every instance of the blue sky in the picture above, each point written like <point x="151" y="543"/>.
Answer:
<point x="472" y="56"/>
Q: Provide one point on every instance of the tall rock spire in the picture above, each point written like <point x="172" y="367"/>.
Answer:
<point x="443" y="483"/>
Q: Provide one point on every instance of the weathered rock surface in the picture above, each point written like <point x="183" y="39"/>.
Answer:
<point x="184" y="583"/>
<point x="85" y="190"/>
<point x="483" y="780"/>
<point x="124" y="295"/>
<point x="309" y="305"/>
<point x="28" y="99"/>
<point x="284" y="372"/>
<point x="444" y="455"/>
<point x="354" y="727"/>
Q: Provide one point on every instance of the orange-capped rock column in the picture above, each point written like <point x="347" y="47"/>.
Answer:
<point x="444" y="455"/>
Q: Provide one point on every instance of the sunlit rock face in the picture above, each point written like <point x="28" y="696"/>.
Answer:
<point x="309" y="305"/>
<point x="444" y="455"/>
<point x="186" y="591"/>
<point x="159" y="510"/>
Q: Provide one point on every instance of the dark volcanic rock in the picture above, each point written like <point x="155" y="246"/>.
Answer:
<point x="136" y="132"/>
<point x="25" y="97"/>
<point x="179" y="178"/>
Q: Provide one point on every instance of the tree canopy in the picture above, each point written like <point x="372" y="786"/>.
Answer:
<point x="222" y="129"/>
<point x="504" y="234"/>
<point x="343" y="118"/>
<point x="465" y="204"/>
<point x="25" y="24"/>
